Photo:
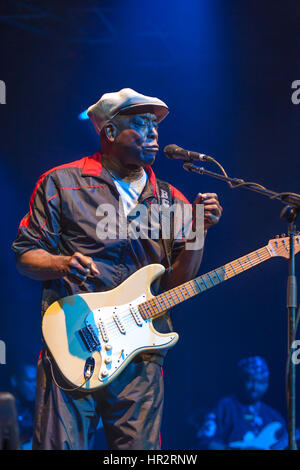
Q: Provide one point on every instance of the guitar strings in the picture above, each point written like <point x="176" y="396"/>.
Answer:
<point x="127" y="319"/>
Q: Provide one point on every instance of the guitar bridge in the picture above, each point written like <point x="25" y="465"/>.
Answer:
<point x="90" y="338"/>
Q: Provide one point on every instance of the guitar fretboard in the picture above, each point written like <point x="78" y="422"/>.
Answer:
<point x="157" y="306"/>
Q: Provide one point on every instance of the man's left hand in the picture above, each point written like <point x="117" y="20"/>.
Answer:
<point x="212" y="208"/>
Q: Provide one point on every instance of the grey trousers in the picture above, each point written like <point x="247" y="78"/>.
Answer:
<point x="130" y="408"/>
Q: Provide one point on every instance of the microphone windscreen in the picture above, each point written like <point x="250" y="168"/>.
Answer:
<point x="171" y="150"/>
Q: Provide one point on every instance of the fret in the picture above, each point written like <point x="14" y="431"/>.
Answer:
<point x="265" y="249"/>
<point x="230" y="264"/>
<point x="154" y="304"/>
<point x="199" y="287"/>
<point x="158" y="305"/>
<point x="241" y="264"/>
<point x="255" y="261"/>
<point x="157" y="300"/>
<point x="223" y="269"/>
<point x="162" y="299"/>
<point x="151" y="309"/>
<point x="175" y="290"/>
<point x="170" y="303"/>
<point x="181" y="292"/>
<point x="174" y="301"/>
<point x="210" y="278"/>
<point x="152" y="312"/>
<point x="250" y="261"/>
<point x="209" y="281"/>
<point x="192" y="286"/>
<point x="187" y="291"/>
<point x="148" y="313"/>
<point x="158" y="312"/>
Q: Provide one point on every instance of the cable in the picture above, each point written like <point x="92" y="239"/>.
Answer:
<point x="211" y="159"/>
<point x="62" y="388"/>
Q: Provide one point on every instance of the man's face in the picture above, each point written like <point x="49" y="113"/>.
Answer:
<point x="136" y="142"/>
<point x="255" y="386"/>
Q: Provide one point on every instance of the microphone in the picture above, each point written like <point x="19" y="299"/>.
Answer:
<point x="174" y="152"/>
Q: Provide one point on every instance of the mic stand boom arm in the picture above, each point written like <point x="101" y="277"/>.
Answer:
<point x="287" y="198"/>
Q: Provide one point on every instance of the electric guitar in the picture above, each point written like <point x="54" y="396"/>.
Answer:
<point x="266" y="439"/>
<point x="93" y="336"/>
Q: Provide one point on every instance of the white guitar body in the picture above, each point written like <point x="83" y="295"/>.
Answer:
<point x="120" y="330"/>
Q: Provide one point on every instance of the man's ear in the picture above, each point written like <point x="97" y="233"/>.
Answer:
<point x="110" y="130"/>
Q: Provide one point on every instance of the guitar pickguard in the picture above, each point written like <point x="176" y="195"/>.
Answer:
<point x="121" y="334"/>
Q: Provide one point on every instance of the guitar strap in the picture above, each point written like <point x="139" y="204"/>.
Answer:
<point x="165" y="199"/>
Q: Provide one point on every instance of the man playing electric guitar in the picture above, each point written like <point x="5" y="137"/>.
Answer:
<point x="61" y="243"/>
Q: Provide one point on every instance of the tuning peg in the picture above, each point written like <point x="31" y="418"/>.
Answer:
<point x="283" y="235"/>
<point x="277" y="236"/>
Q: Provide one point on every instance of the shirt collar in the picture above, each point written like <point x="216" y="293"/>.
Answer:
<point x="92" y="166"/>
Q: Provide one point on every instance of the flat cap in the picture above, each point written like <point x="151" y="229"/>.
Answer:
<point x="111" y="104"/>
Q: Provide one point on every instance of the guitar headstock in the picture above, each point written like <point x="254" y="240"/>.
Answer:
<point x="280" y="245"/>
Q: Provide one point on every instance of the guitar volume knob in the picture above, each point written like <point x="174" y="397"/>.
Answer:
<point x="107" y="347"/>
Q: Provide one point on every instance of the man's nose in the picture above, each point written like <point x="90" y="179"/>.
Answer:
<point x="152" y="132"/>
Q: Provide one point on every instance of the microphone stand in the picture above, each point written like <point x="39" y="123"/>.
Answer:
<point x="289" y="213"/>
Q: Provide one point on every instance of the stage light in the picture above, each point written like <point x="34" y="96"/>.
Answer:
<point x="82" y="116"/>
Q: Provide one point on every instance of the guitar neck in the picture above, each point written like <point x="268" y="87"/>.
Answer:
<point x="158" y="305"/>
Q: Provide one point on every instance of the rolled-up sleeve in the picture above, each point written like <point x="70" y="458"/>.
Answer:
<point x="40" y="227"/>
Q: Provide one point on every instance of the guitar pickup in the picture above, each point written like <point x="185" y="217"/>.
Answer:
<point x="119" y="323"/>
<point x="136" y="315"/>
<point x="90" y="338"/>
<point x="103" y="330"/>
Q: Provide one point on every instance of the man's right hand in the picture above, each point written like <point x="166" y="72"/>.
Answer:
<point x="78" y="267"/>
<point x="43" y="266"/>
